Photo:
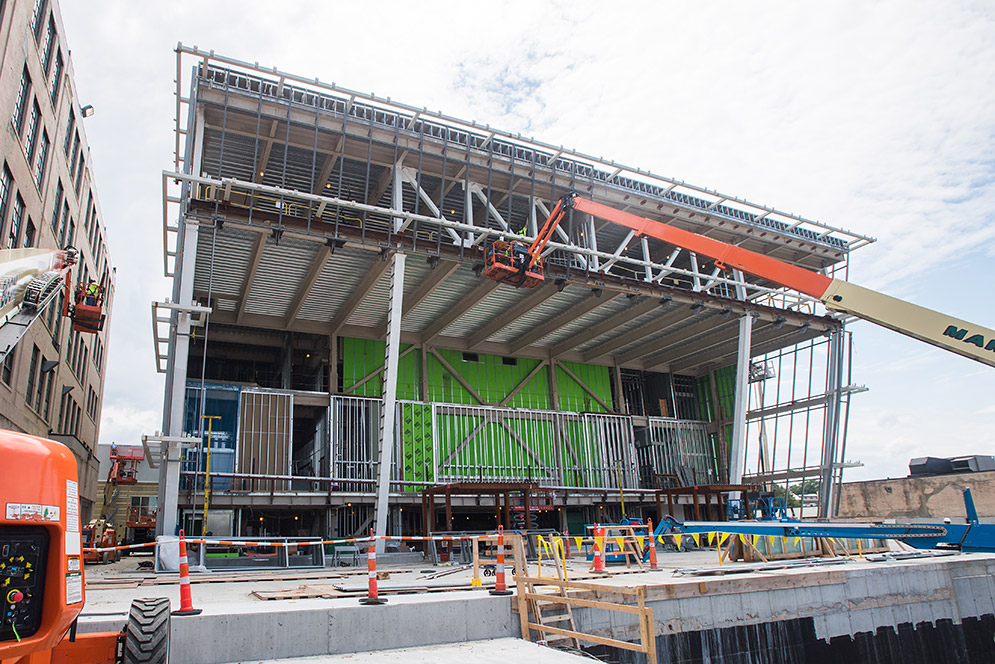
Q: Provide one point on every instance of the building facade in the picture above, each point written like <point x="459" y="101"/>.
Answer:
<point x="331" y="323"/>
<point x="52" y="383"/>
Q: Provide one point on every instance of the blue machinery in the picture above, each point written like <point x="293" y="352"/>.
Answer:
<point x="968" y="537"/>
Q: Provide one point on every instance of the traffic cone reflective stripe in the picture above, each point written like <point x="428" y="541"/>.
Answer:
<point x="652" y="546"/>
<point x="373" y="596"/>
<point x="186" y="600"/>
<point x="500" y="587"/>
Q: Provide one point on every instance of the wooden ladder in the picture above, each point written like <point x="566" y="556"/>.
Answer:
<point x="564" y="619"/>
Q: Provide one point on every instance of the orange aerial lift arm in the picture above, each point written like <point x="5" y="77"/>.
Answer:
<point x="725" y="255"/>
<point x="953" y="334"/>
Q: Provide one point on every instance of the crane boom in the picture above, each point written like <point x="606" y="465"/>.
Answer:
<point x="523" y="267"/>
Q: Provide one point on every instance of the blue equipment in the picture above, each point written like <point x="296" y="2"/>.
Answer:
<point x="971" y="536"/>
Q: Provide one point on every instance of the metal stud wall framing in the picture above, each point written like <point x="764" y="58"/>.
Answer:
<point x="265" y="428"/>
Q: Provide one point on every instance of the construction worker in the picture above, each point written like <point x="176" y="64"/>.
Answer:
<point x="524" y="230"/>
<point x="92" y="292"/>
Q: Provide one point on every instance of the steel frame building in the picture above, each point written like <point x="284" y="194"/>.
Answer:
<point x="328" y="306"/>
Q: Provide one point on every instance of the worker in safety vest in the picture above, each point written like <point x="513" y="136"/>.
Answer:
<point x="92" y="291"/>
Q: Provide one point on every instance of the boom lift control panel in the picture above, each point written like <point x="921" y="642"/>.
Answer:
<point x="23" y="552"/>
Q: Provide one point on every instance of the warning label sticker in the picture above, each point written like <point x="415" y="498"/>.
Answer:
<point x="32" y="512"/>
<point x="74" y="565"/>
<point x="74" y="544"/>
<point x="74" y="588"/>
<point x="72" y="506"/>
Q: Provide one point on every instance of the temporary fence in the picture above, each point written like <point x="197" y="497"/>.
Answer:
<point x="609" y="541"/>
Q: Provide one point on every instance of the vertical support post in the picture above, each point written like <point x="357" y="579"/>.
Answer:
<point x="553" y="392"/>
<point x="742" y="391"/>
<point x="179" y="347"/>
<point x="720" y="421"/>
<point x="424" y="376"/>
<point x="742" y="400"/>
<point x="176" y="380"/>
<point x="621" y="406"/>
<point x="389" y="398"/>
<point x="527" y="505"/>
<point x="426" y="515"/>
<point x="831" y="424"/>
<point x="449" y="511"/>
<point x="333" y="363"/>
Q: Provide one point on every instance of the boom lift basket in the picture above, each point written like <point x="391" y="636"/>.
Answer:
<point x="510" y="263"/>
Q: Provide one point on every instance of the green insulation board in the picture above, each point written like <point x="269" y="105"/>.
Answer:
<point x="493" y="379"/>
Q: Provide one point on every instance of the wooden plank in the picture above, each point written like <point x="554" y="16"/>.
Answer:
<point x="577" y="601"/>
<point x="523" y="608"/>
<point x="591" y="638"/>
<point x="546" y="581"/>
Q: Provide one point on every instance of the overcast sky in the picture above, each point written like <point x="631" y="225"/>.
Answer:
<point x="875" y="117"/>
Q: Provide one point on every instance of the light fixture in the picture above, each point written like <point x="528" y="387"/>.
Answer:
<point x="87" y="110"/>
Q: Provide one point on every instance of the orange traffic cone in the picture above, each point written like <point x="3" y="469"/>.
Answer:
<point x="500" y="587"/>
<point x="373" y="596"/>
<point x="652" y="545"/>
<point x="599" y="563"/>
<point x="186" y="601"/>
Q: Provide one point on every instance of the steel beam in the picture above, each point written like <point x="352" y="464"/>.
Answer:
<point x="250" y="275"/>
<point x="648" y="328"/>
<point x="314" y="271"/>
<point x="584" y="307"/>
<point x="439" y="273"/>
<point x="511" y="315"/>
<point x="358" y="295"/>
<point x="263" y="158"/>
<point x="737" y="456"/>
<point x="458" y="310"/>
<point x="707" y="323"/>
<point x="387" y="413"/>
<point x="770" y="339"/>
<point x="606" y="326"/>
<point x="326" y="167"/>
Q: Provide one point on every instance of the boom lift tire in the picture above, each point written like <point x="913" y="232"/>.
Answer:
<point x="146" y="638"/>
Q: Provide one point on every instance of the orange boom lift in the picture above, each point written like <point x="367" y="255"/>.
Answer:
<point x="517" y="264"/>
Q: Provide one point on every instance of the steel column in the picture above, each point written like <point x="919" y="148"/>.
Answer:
<point x="737" y="456"/>
<point x="387" y="415"/>
<point x="831" y="424"/>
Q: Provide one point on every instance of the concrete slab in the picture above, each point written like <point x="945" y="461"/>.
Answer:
<point x="493" y="651"/>
<point x="858" y="595"/>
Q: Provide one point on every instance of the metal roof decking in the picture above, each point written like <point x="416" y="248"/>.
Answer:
<point x="294" y="191"/>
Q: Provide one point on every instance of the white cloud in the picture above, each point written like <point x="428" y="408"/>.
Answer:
<point x="122" y="423"/>
<point x="874" y="117"/>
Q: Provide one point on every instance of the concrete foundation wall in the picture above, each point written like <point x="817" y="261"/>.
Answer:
<point x="932" y="498"/>
<point x="841" y="601"/>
